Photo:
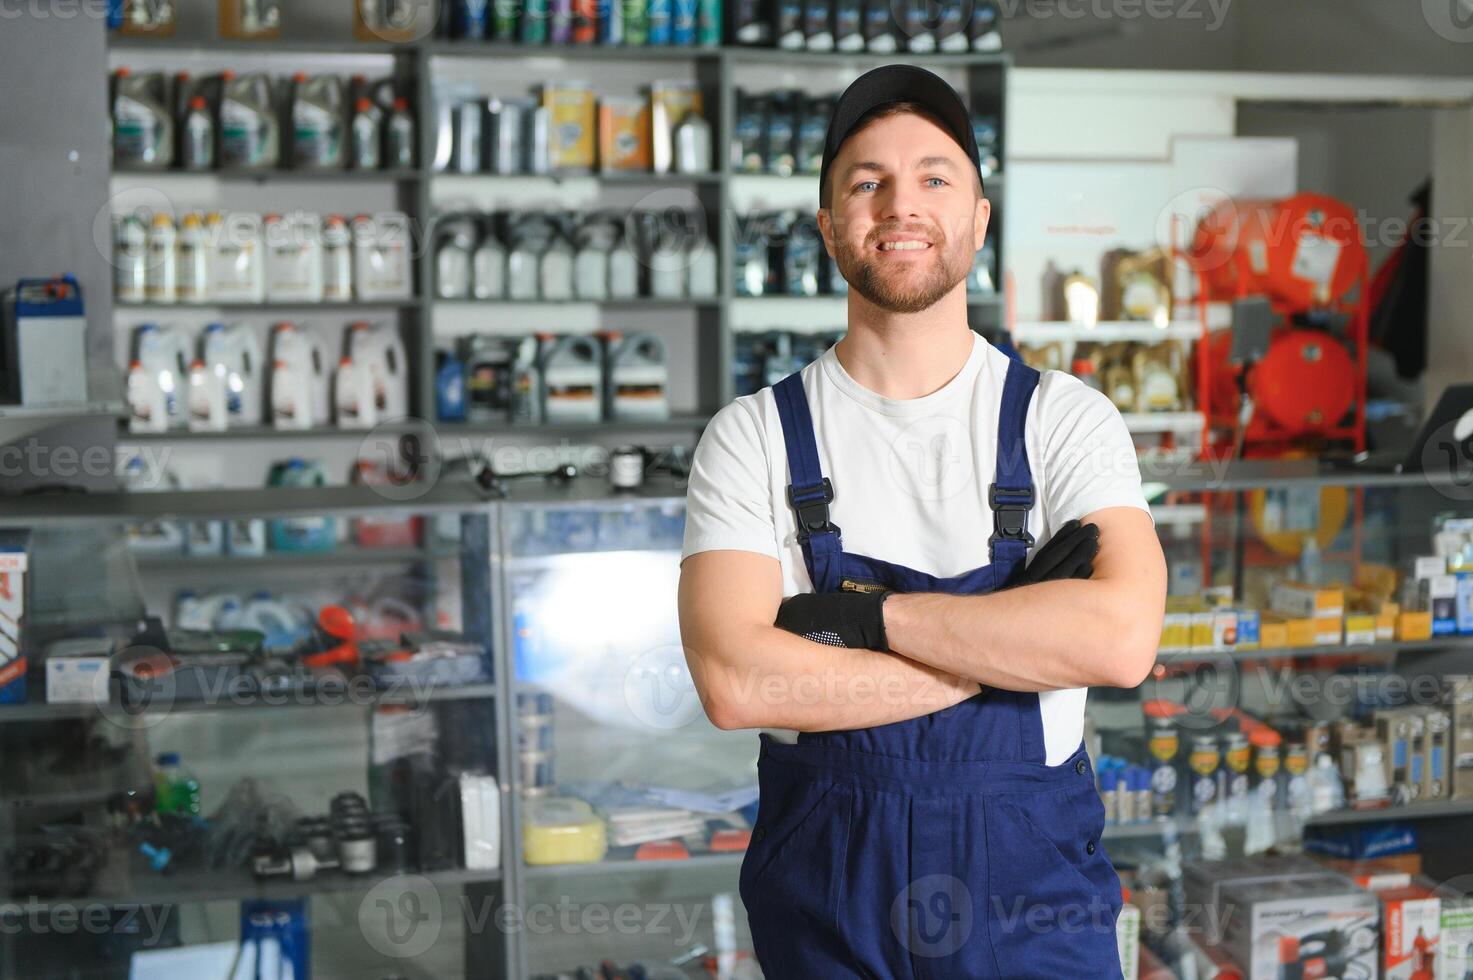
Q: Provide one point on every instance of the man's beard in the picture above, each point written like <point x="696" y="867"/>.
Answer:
<point x="918" y="293"/>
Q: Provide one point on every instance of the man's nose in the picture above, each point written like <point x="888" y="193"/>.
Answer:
<point x="900" y="201"/>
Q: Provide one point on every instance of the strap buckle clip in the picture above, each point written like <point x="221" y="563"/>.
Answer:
<point x="812" y="511"/>
<point x="1010" y="514"/>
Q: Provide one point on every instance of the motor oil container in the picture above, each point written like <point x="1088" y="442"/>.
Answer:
<point x="453" y="267"/>
<point x="250" y="135"/>
<point x="164" y="353"/>
<point x="293" y="259"/>
<point x="487" y="378"/>
<point x="282" y="626"/>
<point x="299" y="534"/>
<point x="148" y="409"/>
<point x="337" y="260"/>
<point x="206" y="399"/>
<point x="399" y="136"/>
<point x="193" y="261"/>
<point x="299" y="378"/>
<point x="163" y="261"/>
<point x="379" y="350"/>
<point x="595" y="242"/>
<point x="130" y="260"/>
<point x="237" y="268"/>
<point x="197" y="140"/>
<point x="366" y="135"/>
<point x="526" y="379"/>
<point x="319" y="121"/>
<point x="488" y="267"/>
<point x="233" y="353"/>
<point x="143" y="125"/>
<point x="636" y="378"/>
<point x="572" y="381"/>
<point x="449" y="386"/>
<point x="556" y="269"/>
<point x="353" y="396"/>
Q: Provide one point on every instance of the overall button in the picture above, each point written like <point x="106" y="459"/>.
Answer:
<point x="1089" y="848"/>
<point x="1080" y="766"/>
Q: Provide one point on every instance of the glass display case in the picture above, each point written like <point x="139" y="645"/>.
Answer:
<point x="633" y="809"/>
<point x="254" y="727"/>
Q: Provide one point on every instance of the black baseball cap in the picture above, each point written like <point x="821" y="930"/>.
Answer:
<point x="898" y="83"/>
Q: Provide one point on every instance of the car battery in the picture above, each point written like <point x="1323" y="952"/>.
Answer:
<point x="43" y="344"/>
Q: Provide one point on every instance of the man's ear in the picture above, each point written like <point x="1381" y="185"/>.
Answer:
<point x="826" y="229"/>
<point x="981" y="215"/>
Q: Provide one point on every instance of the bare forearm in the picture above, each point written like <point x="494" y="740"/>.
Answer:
<point x="1043" y="637"/>
<point x="765" y="677"/>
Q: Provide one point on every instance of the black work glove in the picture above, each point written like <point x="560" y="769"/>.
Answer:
<point x="840" y="619"/>
<point x="1070" y="553"/>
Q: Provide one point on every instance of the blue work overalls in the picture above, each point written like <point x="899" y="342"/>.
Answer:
<point x="940" y="847"/>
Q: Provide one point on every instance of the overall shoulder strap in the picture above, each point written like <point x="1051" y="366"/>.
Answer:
<point x="1011" y="494"/>
<point x="809" y="491"/>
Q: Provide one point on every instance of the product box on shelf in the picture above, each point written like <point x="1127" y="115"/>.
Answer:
<point x="1411" y="922"/>
<point x="1249" y="629"/>
<point x="1276" y="915"/>
<point x="77" y="671"/>
<point x="1455" y="949"/>
<point x="14" y="558"/>
<point x="1314" y="601"/>
<point x="1458" y="696"/>
<point x="1413" y="625"/>
<point x="1435" y="725"/>
<point x="1399" y="731"/>
<point x="1442" y="603"/>
<point x="1360" y="629"/>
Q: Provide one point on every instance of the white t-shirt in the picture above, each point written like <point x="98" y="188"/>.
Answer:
<point x="911" y="477"/>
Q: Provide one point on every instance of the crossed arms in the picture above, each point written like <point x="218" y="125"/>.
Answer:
<point x="1100" y="631"/>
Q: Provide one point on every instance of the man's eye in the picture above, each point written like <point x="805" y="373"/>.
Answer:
<point x="866" y="185"/>
<point x="937" y="180"/>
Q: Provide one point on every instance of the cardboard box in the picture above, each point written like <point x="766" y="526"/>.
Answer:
<point x="1302" y="632"/>
<point x="1403" y="866"/>
<point x="1259" y="909"/>
<point x="1386" y="618"/>
<point x="1224" y="629"/>
<point x="1411" y="925"/>
<point x="1457" y="694"/>
<point x="1273" y="632"/>
<point x="1360" y="629"/>
<point x="1249" y="629"/>
<point x="1464" y="607"/>
<point x="1313" y="601"/>
<point x="77" y="671"/>
<point x="1455" y="950"/>
<point x="14" y="559"/>
<point x="1202" y="626"/>
<point x="1437" y="724"/>
<point x="1362" y="752"/>
<point x="1413" y="625"/>
<point x="571" y="123"/>
<point x="1442" y="602"/>
<point x="1394" y="732"/>
<point x="623" y="133"/>
<point x="1176" y="632"/>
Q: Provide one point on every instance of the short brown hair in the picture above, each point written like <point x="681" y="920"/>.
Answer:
<point x="825" y="190"/>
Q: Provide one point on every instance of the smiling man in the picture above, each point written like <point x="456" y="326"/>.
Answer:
<point x="927" y="806"/>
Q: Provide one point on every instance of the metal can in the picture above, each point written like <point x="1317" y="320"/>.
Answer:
<point x="1163" y="742"/>
<point x="1266" y="764"/>
<point x="1236" y="756"/>
<point x="1204" y="762"/>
